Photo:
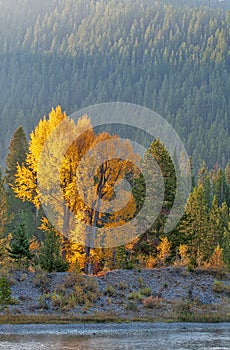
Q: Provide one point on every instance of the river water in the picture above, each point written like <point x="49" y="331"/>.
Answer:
<point x="122" y="336"/>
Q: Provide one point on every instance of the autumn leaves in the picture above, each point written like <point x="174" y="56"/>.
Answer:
<point x="82" y="179"/>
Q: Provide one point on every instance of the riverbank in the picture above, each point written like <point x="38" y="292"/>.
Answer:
<point x="154" y="295"/>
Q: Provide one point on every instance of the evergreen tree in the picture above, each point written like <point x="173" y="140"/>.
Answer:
<point x="16" y="155"/>
<point x="226" y="247"/>
<point x="156" y="153"/>
<point x="195" y="226"/>
<point x="3" y="204"/>
<point x="204" y="180"/>
<point x="220" y="187"/>
<point x="19" y="249"/>
<point x="49" y="256"/>
<point x="4" y="216"/>
<point x="216" y="224"/>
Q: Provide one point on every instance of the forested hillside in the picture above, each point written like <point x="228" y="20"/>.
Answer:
<point x="171" y="56"/>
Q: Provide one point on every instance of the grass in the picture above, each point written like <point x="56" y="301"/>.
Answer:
<point x="220" y="287"/>
<point x="192" y="312"/>
<point x="177" y="313"/>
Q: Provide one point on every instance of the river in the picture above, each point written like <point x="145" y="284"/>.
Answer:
<point x="121" y="336"/>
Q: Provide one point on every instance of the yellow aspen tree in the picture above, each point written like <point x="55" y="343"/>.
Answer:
<point x="26" y="176"/>
<point x="99" y="205"/>
<point x="79" y="183"/>
<point x="163" y="251"/>
<point x="184" y="256"/>
<point x="216" y="261"/>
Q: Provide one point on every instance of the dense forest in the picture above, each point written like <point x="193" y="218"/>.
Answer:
<point x="171" y="56"/>
<point x="32" y="237"/>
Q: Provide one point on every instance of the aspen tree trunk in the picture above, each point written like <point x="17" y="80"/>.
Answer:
<point x="66" y="232"/>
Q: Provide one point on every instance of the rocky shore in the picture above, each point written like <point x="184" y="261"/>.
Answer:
<point x="150" y="294"/>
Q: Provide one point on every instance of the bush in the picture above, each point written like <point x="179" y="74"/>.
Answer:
<point x="146" y="291"/>
<point x="40" y="280"/>
<point x="220" y="287"/>
<point x="131" y="306"/>
<point x="151" y="302"/>
<point x="5" y="292"/>
<point x="183" y="309"/>
<point x="123" y="286"/>
<point x="135" y="296"/>
<point x="44" y="301"/>
<point x="76" y="290"/>
<point x="110" y="291"/>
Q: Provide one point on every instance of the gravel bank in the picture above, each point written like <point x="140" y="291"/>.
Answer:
<point x="120" y="292"/>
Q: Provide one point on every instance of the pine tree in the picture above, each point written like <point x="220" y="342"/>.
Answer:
<point x="16" y="155"/>
<point x="220" y="187"/>
<point x="4" y="217"/>
<point x="156" y="153"/>
<point x="49" y="255"/>
<point x="204" y="180"/>
<point x="195" y="226"/>
<point x="19" y="249"/>
<point x="16" y="158"/>
<point x="216" y="225"/>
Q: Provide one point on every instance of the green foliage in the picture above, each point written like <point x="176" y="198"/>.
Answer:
<point x="110" y="291"/>
<point x="76" y="290"/>
<point x="131" y="306"/>
<point x="157" y="152"/>
<point x="40" y="280"/>
<point x="135" y="296"/>
<point x="226" y="247"/>
<point x="16" y="155"/>
<point x="123" y="259"/>
<point x="5" y="292"/>
<point x="19" y="249"/>
<point x="172" y="58"/>
<point x="146" y="291"/>
<point x="3" y="217"/>
<point x="183" y="309"/>
<point x="49" y="256"/>
<point x="220" y="287"/>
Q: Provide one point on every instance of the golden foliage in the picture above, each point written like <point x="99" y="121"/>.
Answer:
<point x="83" y="177"/>
<point x="216" y="260"/>
<point x="163" y="250"/>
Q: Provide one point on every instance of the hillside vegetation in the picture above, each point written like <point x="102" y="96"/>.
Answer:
<point x="171" y="56"/>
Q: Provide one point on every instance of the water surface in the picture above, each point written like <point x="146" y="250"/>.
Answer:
<point x="123" y="336"/>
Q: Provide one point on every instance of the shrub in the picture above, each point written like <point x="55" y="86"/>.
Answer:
<point x="135" y="296"/>
<point x="122" y="286"/>
<point x="183" y="310"/>
<point x="40" y="280"/>
<point x="5" y="292"/>
<point x="146" y="291"/>
<point x="131" y="306"/>
<point x="151" y="302"/>
<point x="76" y="290"/>
<point x="56" y="300"/>
<point x="73" y="279"/>
<point x="44" y="301"/>
<point x="110" y="291"/>
<point x="220" y="287"/>
<point x="140" y="282"/>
